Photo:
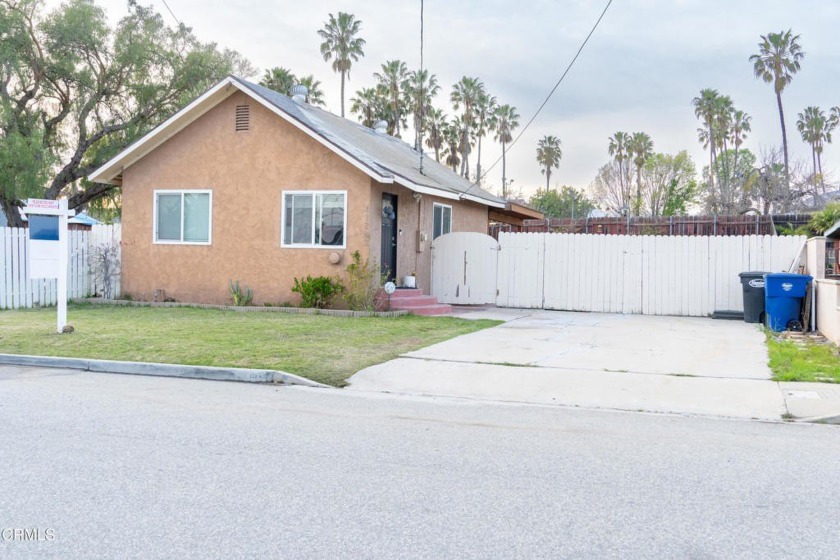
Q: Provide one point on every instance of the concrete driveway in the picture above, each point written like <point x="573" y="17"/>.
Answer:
<point x="629" y="362"/>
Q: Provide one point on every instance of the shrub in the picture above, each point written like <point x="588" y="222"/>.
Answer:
<point x="317" y="292"/>
<point x="239" y="295"/>
<point x="825" y="218"/>
<point x="364" y="281"/>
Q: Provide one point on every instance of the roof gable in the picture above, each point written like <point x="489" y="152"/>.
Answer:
<point x="384" y="158"/>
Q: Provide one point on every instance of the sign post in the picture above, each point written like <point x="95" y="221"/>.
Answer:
<point x="48" y="246"/>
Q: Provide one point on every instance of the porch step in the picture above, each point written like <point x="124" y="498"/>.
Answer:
<point x="414" y="301"/>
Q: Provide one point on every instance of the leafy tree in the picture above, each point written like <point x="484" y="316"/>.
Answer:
<point x="608" y="189"/>
<point x="465" y="96"/>
<point x="640" y="148"/>
<point x="549" y="154"/>
<point x="75" y="91"/>
<point x="669" y="185"/>
<point x="485" y="121"/>
<point x="733" y="196"/>
<point x="393" y="89"/>
<point x="567" y="202"/>
<point x="507" y="120"/>
<point x="816" y="127"/>
<point x="279" y="79"/>
<point x="825" y="218"/>
<point x="421" y="89"/>
<point x="342" y="45"/>
<point x="314" y="93"/>
<point x="778" y="59"/>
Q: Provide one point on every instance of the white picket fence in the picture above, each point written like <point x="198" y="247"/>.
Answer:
<point x="17" y="290"/>
<point x="651" y="275"/>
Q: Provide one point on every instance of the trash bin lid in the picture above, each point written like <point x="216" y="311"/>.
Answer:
<point x="753" y="274"/>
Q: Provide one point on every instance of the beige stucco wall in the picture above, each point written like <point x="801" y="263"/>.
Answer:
<point x="414" y="216"/>
<point x="828" y="312"/>
<point x="247" y="173"/>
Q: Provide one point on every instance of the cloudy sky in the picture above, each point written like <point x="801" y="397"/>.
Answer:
<point x="639" y="72"/>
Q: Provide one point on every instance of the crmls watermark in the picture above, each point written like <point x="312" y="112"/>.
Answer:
<point x="18" y="534"/>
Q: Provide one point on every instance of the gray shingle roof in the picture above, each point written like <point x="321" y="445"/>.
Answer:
<point x="383" y="154"/>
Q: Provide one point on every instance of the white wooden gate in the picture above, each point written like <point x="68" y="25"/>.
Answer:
<point x="464" y="268"/>
<point x="651" y="275"/>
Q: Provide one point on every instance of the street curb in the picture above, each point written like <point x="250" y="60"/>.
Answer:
<point x="830" y="419"/>
<point x="161" y="370"/>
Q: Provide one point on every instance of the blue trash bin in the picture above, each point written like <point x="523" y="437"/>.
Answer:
<point x="783" y="295"/>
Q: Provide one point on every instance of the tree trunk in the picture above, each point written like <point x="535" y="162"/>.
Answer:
<point x="478" y="164"/>
<point x="10" y="209"/>
<point x="814" y="163"/>
<point x="504" y="174"/>
<point x="342" y="94"/>
<point x="819" y="166"/>
<point x="638" y="190"/>
<point x="784" y="137"/>
<point x="437" y="154"/>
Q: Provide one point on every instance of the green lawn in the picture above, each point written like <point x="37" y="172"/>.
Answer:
<point x="803" y="361"/>
<point x="323" y="348"/>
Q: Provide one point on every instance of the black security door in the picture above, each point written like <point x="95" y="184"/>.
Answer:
<point x="388" y="257"/>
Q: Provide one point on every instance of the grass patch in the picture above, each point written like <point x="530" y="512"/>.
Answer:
<point x="322" y="348"/>
<point x="803" y="360"/>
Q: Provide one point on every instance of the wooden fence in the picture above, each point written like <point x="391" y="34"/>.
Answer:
<point x="17" y="290"/>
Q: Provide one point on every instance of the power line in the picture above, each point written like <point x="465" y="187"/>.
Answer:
<point x="545" y="101"/>
<point x="171" y="12"/>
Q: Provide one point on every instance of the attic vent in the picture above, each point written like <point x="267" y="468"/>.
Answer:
<point x="243" y="118"/>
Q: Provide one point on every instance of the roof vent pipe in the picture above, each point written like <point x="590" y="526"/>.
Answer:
<point x="380" y="127"/>
<point x="299" y="93"/>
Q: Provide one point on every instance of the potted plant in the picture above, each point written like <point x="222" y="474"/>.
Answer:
<point x="410" y="281"/>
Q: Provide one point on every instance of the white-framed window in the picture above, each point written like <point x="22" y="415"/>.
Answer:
<point x="314" y="219"/>
<point x="183" y="216"/>
<point x="442" y="221"/>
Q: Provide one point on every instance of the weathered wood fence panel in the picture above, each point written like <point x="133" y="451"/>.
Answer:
<point x="18" y="290"/>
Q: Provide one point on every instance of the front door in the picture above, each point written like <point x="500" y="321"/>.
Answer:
<point x="388" y="258"/>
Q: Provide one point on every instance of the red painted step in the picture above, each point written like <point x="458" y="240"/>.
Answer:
<point x="414" y="301"/>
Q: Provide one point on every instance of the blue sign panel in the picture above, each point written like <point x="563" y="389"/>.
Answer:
<point x="43" y="228"/>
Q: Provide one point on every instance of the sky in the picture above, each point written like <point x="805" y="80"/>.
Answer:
<point x="644" y="64"/>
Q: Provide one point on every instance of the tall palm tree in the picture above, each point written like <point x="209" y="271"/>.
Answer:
<point x="618" y="150"/>
<point x="314" y="93"/>
<point x="342" y="45"/>
<point x="705" y="109"/>
<point x="367" y="104"/>
<point x="816" y="127"/>
<point x="485" y="121"/>
<point x="452" y="143"/>
<point x="279" y="79"/>
<point x="778" y="59"/>
<point x="640" y="148"/>
<point x="549" y="154"/>
<point x="740" y="126"/>
<point x="507" y="120"/>
<point x="422" y="88"/>
<point x="393" y="85"/>
<point x="435" y="124"/>
<point x="464" y="96"/>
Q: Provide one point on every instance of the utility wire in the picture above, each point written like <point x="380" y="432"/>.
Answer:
<point x="171" y="12"/>
<point x="545" y="101"/>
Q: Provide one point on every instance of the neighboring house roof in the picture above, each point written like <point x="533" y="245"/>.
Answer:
<point x="381" y="156"/>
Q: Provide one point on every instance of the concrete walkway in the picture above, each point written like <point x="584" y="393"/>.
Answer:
<point x="627" y="362"/>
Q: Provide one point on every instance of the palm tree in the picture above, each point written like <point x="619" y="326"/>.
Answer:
<point x="314" y="93"/>
<point x="422" y="88"/>
<point x="485" y="121"/>
<point x="777" y="61"/>
<point x="740" y="126"/>
<point x="392" y="86"/>
<point x="548" y="156"/>
<point x="279" y="79"/>
<point x="640" y="147"/>
<point x="452" y="142"/>
<point x="705" y="109"/>
<point x="816" y="128"/>
<point x="435" y="124"/>
<point x="367" y="105"/>
<point x="618" y="150"/>
<point x="507" y="120"/>
<point x="465" y="95"/>
<point x="342" y="45"/>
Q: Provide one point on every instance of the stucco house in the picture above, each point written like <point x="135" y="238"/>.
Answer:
<point x="248" y="184"/>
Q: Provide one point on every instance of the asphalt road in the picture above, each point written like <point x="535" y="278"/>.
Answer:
<point x="121" y="466"/>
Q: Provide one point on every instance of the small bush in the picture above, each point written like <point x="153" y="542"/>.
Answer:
<point x="240" y="296"/>
<point x="364" y="281"/>
<point x="317" y="292"/>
